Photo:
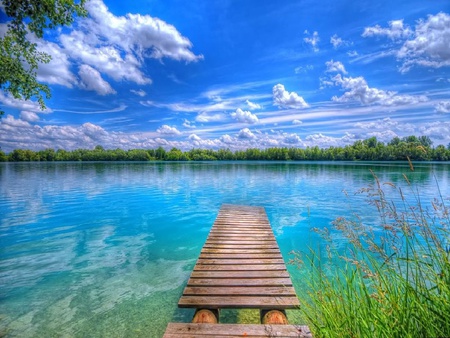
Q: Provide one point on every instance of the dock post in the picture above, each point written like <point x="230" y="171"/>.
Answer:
<point x="209" y="316"/>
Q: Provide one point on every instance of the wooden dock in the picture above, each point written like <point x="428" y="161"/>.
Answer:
<point x="240" y="266"/>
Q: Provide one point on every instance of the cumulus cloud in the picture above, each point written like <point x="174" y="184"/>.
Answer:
<point x="139" y="33"/>
<point x="116" y="45"/>
<point x="324" y="141"/>
<point x="292" y="138"/>
<point x="337" y="42"/>
<point x="91" y="79"/>
<point x="194" y="137"/>
<point x="283" y="99"/>
<point x="227" y="139"/>
<point x="443" y="107"/>
<point x="312" y="39"/>
<point x="358" y="90"/>
<point x="296" y="121"/>
<point x="168" y="130"/>
<point x="28" y="105"/>
<point x="395" y="31"/>
<point x="139" y="92"/>
<point x="335" y="67"/>
<point x="29" y="116"/>
<point x="57" y="71"/>
<point x="188" y="124"/>
<point x="252" y="105"/>
<point x="244" y="116"/>
<point x="437" y="130"/>
<point x="386" y="124"/>
<point x="246" y="134"/>
<point x="426" y="45"/>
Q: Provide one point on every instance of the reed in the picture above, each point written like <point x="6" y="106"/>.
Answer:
<point x="392" y="280"/>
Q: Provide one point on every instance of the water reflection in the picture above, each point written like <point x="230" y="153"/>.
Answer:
<point x="91" y="247"/>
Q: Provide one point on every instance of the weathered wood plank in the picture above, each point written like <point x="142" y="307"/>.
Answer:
<point x="240" y="267"/>
<point x="183" y="330"/>
<point x="241" y="242"/>
<point x="232" y="232"/>
<point x="240" y="274"/>
<point x="280" y="282"/>
<point x="250" y="302"/>
<point x="240" y="251"/>
<point x="212" y="255"/>
<point x="240" y="246"/>
<point x="239" y="290"/>
<point x="228" y="261"/>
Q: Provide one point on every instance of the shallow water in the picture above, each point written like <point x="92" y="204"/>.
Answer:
<point x="105" y="249"/>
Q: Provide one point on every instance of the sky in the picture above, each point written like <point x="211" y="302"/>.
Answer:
<point x="239" y="74"/>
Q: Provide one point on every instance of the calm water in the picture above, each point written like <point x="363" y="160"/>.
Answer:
<point x="105" y="249"/>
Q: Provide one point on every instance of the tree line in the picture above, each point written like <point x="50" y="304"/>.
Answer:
<point x="412" y="147"/>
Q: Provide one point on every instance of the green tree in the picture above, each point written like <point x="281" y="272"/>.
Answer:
<point x="19" y="57"/>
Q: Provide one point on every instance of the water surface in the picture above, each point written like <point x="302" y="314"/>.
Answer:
<point x="105" y="249"/>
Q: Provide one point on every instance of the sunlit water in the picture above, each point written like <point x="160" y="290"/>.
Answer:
<point x="105" y="249"/>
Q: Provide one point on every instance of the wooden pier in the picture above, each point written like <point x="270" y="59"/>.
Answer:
<point x="240" y="266"/>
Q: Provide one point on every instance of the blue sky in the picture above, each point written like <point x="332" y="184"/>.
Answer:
<point x="239" y="74"/>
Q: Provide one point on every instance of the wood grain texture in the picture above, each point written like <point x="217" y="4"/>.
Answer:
<point x="240" y="265"/>
<point x="183" y="330"/>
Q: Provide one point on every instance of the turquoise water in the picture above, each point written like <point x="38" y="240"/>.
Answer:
<point x="105" y="249"/>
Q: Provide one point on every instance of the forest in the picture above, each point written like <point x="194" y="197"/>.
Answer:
<point x="398" y="149"/>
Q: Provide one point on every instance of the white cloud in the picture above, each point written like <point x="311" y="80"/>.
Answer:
<point x="246" y="134"/>
<point x="312" y="40"/>
<point x="382" y="136"/>
<point x="168" y="130"/>
<point x="443" y="107"/>
<point x="244" y="116"/>
<point x="324" y="141"/>
<point x="194" y="137"/>
<point x="104" y="56"/>
<point x="352" y="53"/>
<point x="335" y="67"/>
<point x="296" y="121"/>
<point x="10" y="101"/>
<point x="437" y="130"/>
<point x="395" y="31"/>
<point x="358" y="90"/>
<point x="188" y="124"/>
<point x="91" y="79"/>
<point x="207" y="117"/>
<point x="292" y="139"/>
<point x="29" y="116"/>
<point x="57" y="71"/>
<point x="139" y="92"/>
<point x="116" y="45"/>
<point x="139" y="33"/>
<point x="386" y="124"/>
<point x="337" y="42"/>
<point x="430" y="46"/>
<point x="426" y="45"/>
<point x="303" y="69"/>
<point x="252" y="105"/>
<point x="227" y="139"/>
<point x="283" y="99"/>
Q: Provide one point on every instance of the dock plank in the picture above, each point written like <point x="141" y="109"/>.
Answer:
<point x="240" y="265"/>
<point x="191" y="330"/>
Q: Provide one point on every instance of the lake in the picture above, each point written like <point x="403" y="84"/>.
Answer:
<point x="105" y="249"/>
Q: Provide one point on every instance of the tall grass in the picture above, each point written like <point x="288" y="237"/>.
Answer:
<point x="392" y="280"/>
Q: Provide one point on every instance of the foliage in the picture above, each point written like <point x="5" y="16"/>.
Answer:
<point x="19" y="57"/>
<point x="412" y="147"/>
<point x="390" y="281"/>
